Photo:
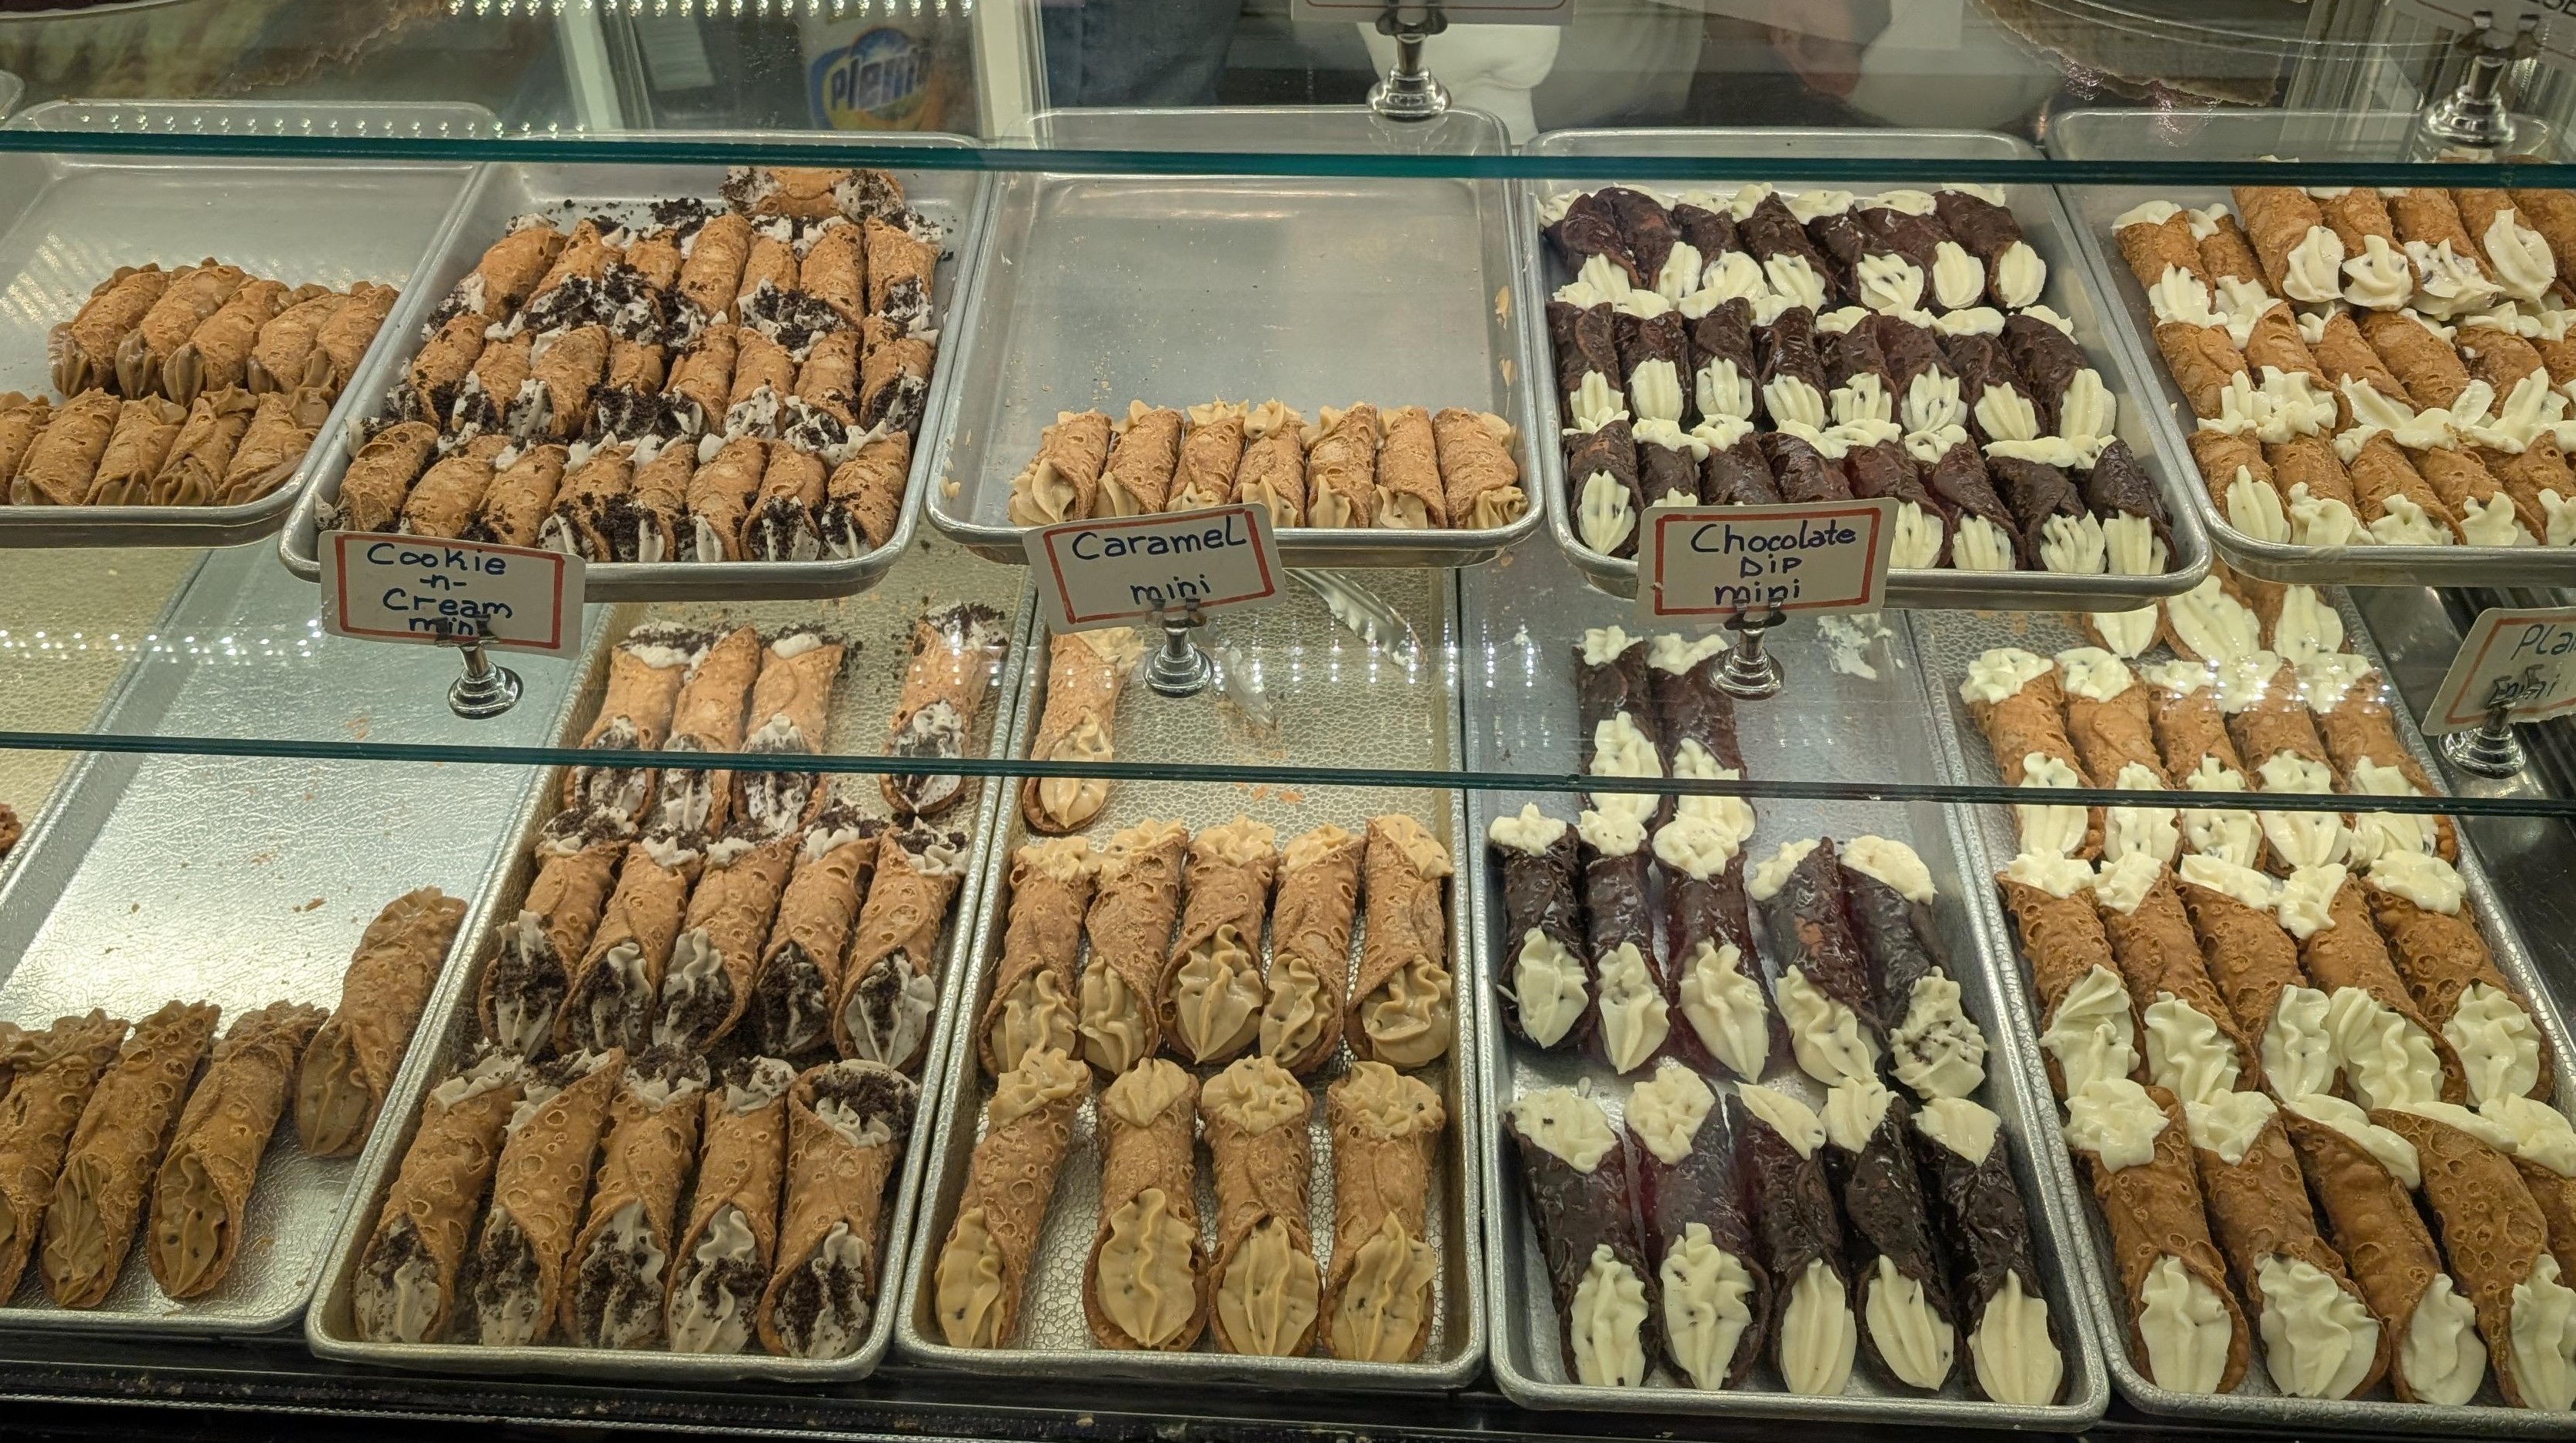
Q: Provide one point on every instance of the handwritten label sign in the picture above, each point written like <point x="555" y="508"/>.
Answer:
<point x="1119" y="570"/>
<point x="2524" y="659"/>
<point x="1707" y="563"/>
<point x="422" y="590"/>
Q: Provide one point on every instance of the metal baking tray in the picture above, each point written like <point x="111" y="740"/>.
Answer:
<point x="1947" y="644"/>
<point x="506" y="190"/>
<point x="1831" y="723"/>
<point x="1100" y="289"/>
<point x="2137" y="134"/>
<point x="1332" y="696"/>
<point x="67" y="220"/>
<point x="238" y="881"/>
<point x="2070" y="292"/>
<point x="881" y="627"/>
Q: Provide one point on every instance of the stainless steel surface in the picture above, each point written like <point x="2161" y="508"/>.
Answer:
<point x="880" y="627"/>
<point x="2118" y="133"/>
<point x="11" y="87"/>
<point x="2071" y="292"/>
<point x="1332" y="697"/>
<point x="503" y="191"/>
<point x="68" y="221"/>
<point x="1947" y="643"/>
<point x="1095" y="290"/>
<point x="1830" y="724"/>
<point x="238" y="881"/>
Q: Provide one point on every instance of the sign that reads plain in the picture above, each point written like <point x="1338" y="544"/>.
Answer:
<point x="1123" y="569"/>
<point x="422" y="590"/>
<point x="2524" y="659"/>
<point x="1710" y="562"/>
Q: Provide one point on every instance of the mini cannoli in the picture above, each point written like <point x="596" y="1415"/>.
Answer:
<point x="596" y="490"/>
<point x="779" y="524"/>
<point x="2516" y="255"/>
<point x="834" y="268"/>
<point x="1581" y="1189"/>
<point x="2239" y="479"/>
<point x="789" y="712"/>
<point x="894" y="375"/>
<point x="2544" y="1152"/>
<point x="55" y="1074"/>
<point x="2391" y="1053"/>
<point x="2185" y="1328"/>
<point x="800" y="967"/>
<point x="981" y="1275"/>
<point x="768" y="273"/>
<point x="2017" y="699"/>
<point x="82" y="351"/>
<point x="1631" y="1017"/>
<point x="2088" y="1026"/>
<point x="1272" y="474"/>
<point x="273" y="445"/>
<point x="564" y="368"/>
<point x="2057" y="529"/>
<point x="1143" y="1285"/>
<point x="22" y="419"/>
<point x="2156" y="239"/>
<point x="1543" y="981"/>
<point x="2421" y="907"/>
<point x="518" y="1272"/>
<point x="201" y="1192"/>
<point x="863" y="499"/>
<point x="2255" y="966"/>
<point x="407" y="1284"/>
<point x="216" y="355"/>
<point x="1210" y="994"/>
<point x="521" y="493"/>
<point x="438" y="370"/>
<point x="350" y="329"/>
<point x="1616" y="722"/>
<point x="827" y="382"/>
<point x="1654" y="355"/>
<point x="721" y="495"/>
<point x="1934" y="1049"/>
<point x="1086" y="673"/>
<point x="1798" y="1233"/>
<point x="764" y="377"/>
<point x="692" y="805"/>
<point x="508" y="273"/>
<point x="1792" y="375"/>
<point x="1031" y="1006"/>
<point x="1210" y="453"/>
<point x="136" y="449"/>
<point x="2013" y="1350"/>
<point x="1265" y="1294"/>
<point x="109" y="1162"/>
<point x="62" y="460"/>
<point x="2486" y="512"/>
<point x="956" y="662"/>
<point x="613" y="1295"/>
<point x="890" y="981"/>
<point x="714" y="960"/>
<point x="1341" y="466"/>
<point x="1715" y="1295"/>
<point x="524" y="984"/>
<point x="194" y="294"/>
<point x="2195" y="1048"/>
<point x="2496" y="1237"/>
<point x="352" y="1060"/>
<point x="1062" y="481"/>
<point x="901" y="264"/>
<point x="1589" y="227"/>
<point x="1479" y="475"/>
<point x="2301" y="258"/>
<point x="1908" y="1321"/>
<point x="847" y="1125"/>
<point x="1402" y="1009"/>
<point x="1379" y="1293"/>
<point x="1604" y="486"/>
<point x="1409" y="491"/>
<point x="1137" y="478"/>
<point x="611" y="997"/>
<point x="1130" y="927"/>
<point x="287" y="354"/>
<point x="700" y="380"/>
<point x="645" y="673"/>
<point x="1823" y="991"/>
<point x="443" y="502"/>
<point x="711" y="264"/>
<point x="1987" y="228"/>
<point x="1981" y="530"/>
<point x="722" y="1264"/>
<point x="1310" y="945"/>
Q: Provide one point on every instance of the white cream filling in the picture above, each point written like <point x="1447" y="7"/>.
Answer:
<point x="1915" y="1342"/>
<point x="1981" y="545"/>
<point x="2386" y="1060"/>
<point x="2187" y="1055"/>
<point x="2186" y="1329"/>
<point x="2498" y="1047"/>
<point x="2015" y="1360"/>
<point x="2114" y="1119"/>
<point x="2318" y="1340"/>
<point x="2091" y="1036"/>
<point x="2543" y="1334"/>
<point x="1706" y="1306"/>
<point x="1725" y="1009"/>
<point x="1826" y="1036"/>
<point x="1607" y="1323"/>
<point x="1634" y="1017"/>
<point x="1547" y="988"/>
<point x="2441" y="1356"/>
<point x="1817" y="1334"/>
<point x="1567" y="1124"/>
<point x="2299" y="1057"/>
<point x="1936" y="1050"/>
<point x="2540" y="1132"/>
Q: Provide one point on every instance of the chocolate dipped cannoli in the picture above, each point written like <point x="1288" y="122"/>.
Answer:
<point x="2421" y="907"/>
<point x="1976" y="1207"/>
<point x="611" y="997"/>
<point x="1807" y="464"/>
<point x="1694" y="728"/>
<point x="1032" y="1003"/>
<point x="1544" y="978"/>
<point x="1606" y="490"/>
<point x="201" y="1192"/>
<point x="1581" y="1189"/>
<point x="1722" y="355"/>
<point x="1210" y="452"/>
<point x="890" y="981"/>
<point x="54" y="1074"/>
<point x="1981" y="530"/>
<point x="1130" y="927"/>
<point x="62" y="460"/>
<point x="1986" y="227"/>
<point x="1734" y="472"/>
<point x="1062" y="481"/>
<point x="956" y="663"/>
<point x="1908" y="1321"/>
<point x="1654" y="357"/>
<point x="982" y="1271"/>
<point x="1922" y="522"/>
<point x="2065" y="390"/>
<point x="1583" y="331"/>
<point x="1798" y="1231"/>
<point x="2088" y="1026"/>
<point x="523" y="986"/>
<point x="722" y="1264"/>
<point x="352" y="1060"/>
<point x="1210" y="995"/>
<point x="863" y="498"/>
<point x="135" y="451"/>
<point x="108" y="1165"/>
<point x="520" y="495"/>
<point x="2057" y="529"/>
<point x="216" y="355"/>
<point x="847" y="1125"/>
<point x="407" y="1284"/>
<point x="1265" y="1294"/>
<point x="1310" y="945"/>
<point x="442" y="502"/>
<point x="538" y="1185"/>
<point x="273" y="445"/>
<point x="1086" y="673"/>
<point x="1668" y="462"/>
<point x="81" y="352"/>
<point x="1587" y="226"/>
<point x="1934" y="1049"/>
<point x="1791" y="264"/>
<point x="1402" y="1009"/>
<point x="1144" y="1284"/>
<point x="1630" y="1019"/>
<point x="1341" y="466"/>
<point x="1793" y="377"/>
<point x="2195" y="1048"/>
<point x="613" y="1297"/>
<point x="2391" y="1053"/>
<point x="1711" y="980"/>
<point x="1715" y="1295"/>
<point x="800" y="967"/>
<point x="1823" y="990"/>
<point x="1273" y="471"/>
<point x="2184" y="1325"/>
<point x="2255" y="966"/>
<point x="1379" y="1293"/>
<point x="716" y="956"/>
<point x="2496" y="1238"/>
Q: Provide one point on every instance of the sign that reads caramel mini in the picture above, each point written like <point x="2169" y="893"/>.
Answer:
<point x="425" y="591"/>
<point x="1707" y="563"/>
<point x="1119" y="570"/>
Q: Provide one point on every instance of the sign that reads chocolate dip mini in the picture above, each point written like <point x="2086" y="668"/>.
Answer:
<point x="1117" y="570"/>
<point x="1707" y="563"/>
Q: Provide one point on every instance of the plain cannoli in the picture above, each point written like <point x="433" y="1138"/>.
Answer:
<point x="2109" y="717"/>
<point x="1210" y="995"/>
<point x="1341" y="466"/>
<point x="407" y="1285"/>
<point x="2013" y="1349"/>
<point x="2089" y="1026"/>
<point x="2391" y="1053"/>
<point x="722" y="1263"/>
<point x="1143" y="1285"/>
<point x="1130" y="927"/>
<point x="2421" y="907"/>
<point x="1265" y="1294"/>
<point x="201" y="1193"/>
<point x="1580" y="1185"/>
<point x="611" y="996"/>
<point x="624" y="1250"/>
<point x="800" y="967"/>
<point x="890" y="981"/>
<point x="352" y="1060"/>
<point x="1402" y="1010"/>
<point x="1310" y="946"/>
<point x="538" y="1185"/>
<point x="1137" y="478"/>
<point x="847" y="1125"/>
<point x="981" y="1275"/>
<point x="2254" y="964"/>
<point x="1032" y="1004"/>
<point x="2156" y="239"/>
<point x="2185" y="1327"/>
<point x="2301" y="258"/>
<point x="1062" y="481"/>
<point x="1631" y="1016"/>
<point x="108" y="1165"/>
<point x="2398" y="506"/>
<point x="1086" y="673"/>
<point x="956" y="662"/>
<point x="1716" y="1297"/>
<point x="2497" y="1240"/>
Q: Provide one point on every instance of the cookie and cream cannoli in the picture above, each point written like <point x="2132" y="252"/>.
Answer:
<point x="613" y="1298"/>
<point x="1908" y="1321"/>
<point x="1310" y="946"/>
<point x="711" y="265"/>
<point x="62" y="460"/>
<point x="1265" y="1294"/>
<point x="789" y="713"/>
<point x="1341" y="466"/>
<point x="1934" y="1048"/>
<point x="834" y="269"/>
<point x="645" y="673"/>
<point x="900" y="263"/>
<point x="1210" y="995"/>
<point x="722" y="1264"/>
<point x="610" y="998"/>
<point x="538" y="1184"/>
<point x="982" y="1271"/>
<point x="520" y="495"/>
<point x="1143" y="1284"/>
<point x="714" y="960"/>
<point x="2421" y="907"/>
<point x="1130" y="927"/>
<point x="443" y="501"/>
<point x="201" y="1192"/>
<point x="721" y="495"/>
<point x="890" y="981"/>
<point x="506" y="275"/>
<point x="956" y="660"/>
<point x="769" y="271"/>
<point x="81" y="352"/>
<point x="2195" y="1048"/>
<point x="894" y="375"/>
<point x="108" y="1164"/>
<point x="847" y="1124"/>
<point x="352" y="1060"/>
<point x="1062" y="481"/>
<point x="598" y="486"/>
<point x="1823" y="990"/>
<point x="281" y="430"/>
<point x="2185" y="1328"/>
<point x="1712" y="977"/>
<point x="1581" y="1189"/>
<point x="692" y="805"/>
<point x="2496" y="1238"/>
<point x="2088" y="1025"/>
<point x="2391" y="1053"/>
<point x="1086" y="672"/>
<point x="1402" y="1010"/>
<point x="1032" y="1004"/>
<point x="800" y="967"/>
<point x="863" y="497"/>
<point x="700" y="380"/>
<point x="764" y="377"/>
<point x="1631" y="1016"/>
<point x="406" y="1288"/>
<point x="1272" y="474"/>
<point x="779" y="524"/>
<point x="2013" y="1350"/>
<point x="1715" y="1295"/>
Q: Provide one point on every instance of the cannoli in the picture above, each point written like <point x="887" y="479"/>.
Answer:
<point x="1631" y="1016"/>
<point x="957" y="656"/>
<point x="1062" y="481"/>
<point x="135" y="451"/>
<point x="2301" y="258"/>
<point x="193" y="294"/>
<point x="645" y="673"/>
<point x="2156" y="239"/>
<point x="800" y="967"/>
<point x="55" y="1074"/>
<point x="1264" y="1292"/>
<point x="2089" y="1026"/>
<point x="1402" y="1009"/>
<point x="595" y="495"/>
<point x="721" y="496"/>
<point x="701" y="379"/>
<point x="484" y="399"/>
<point x="443" y="502"/>
<point x="112" y="1154"/>
<point x="2109" y="716"/>
<point x="1793" y="377"/>
<point x="2013" y="1349"/>
<point x="216" y="355"/>
<point x="62" y="460"/>
<point x="1341" y="466"/>
<point x="1908" y="1321"/>
<point x="764" y="377"/>
<point x="508" y="272"/>
<point x="2544" y="1152"/>
<point x="1798" y="1233"/>
<point x="2391" y="1053"/>
<point x="287" y="354"/>
<point x="2255" y="966"/>
<point x="901" y="263"/>
<point x="1310" y="945"/>
<point x="847" y="1125"/>
<point x="1934" y="1049"/>
<point x="890" y="981"/>
<point x="1542" y="980"/>
<point x="711" y="264"/>
<point x="982" y="1270"/>
<point x="273" y="445"/>
<point x="863" y="499"/>
<point x="707" y="985"/>
<point x="2398" y="506"/>
<point x="519" y="1279"/>
<point x="790" y="710"/>
<point x="2485" y="511"/>
<point x="1716" y="1297"/>
<point x="1654" y="355"/>
<point x="2425" y="364"/>
<point x="352" y="1060"/>
<point x="723" y="1261"/>
<point x="522" y="491"/>
<point x="833" y="269"/>
<point x="1086" y="673"/>
<point x="2057" y="529"/>
<point x="691" y="805"/>
<point x="1981" y="530"/>
<point x="564" y="368"/>
<point x="1130" y="927"/>
<point x="201" y="1192"/>
<point x="2422" y="909"/>
<point x="2360" y="733"/>
<point x="1143" y="1286"/>
<point x="1210" y="451"/>
<point x="1987" y="228"/>
<point x="894" y="375"/>
<point x="406" y="1289"/>
<point x="1583" y="332"/>
<point x="638" y="514"/>
<point x="768" y="273"/>
<point x="1409" y="490"/>
<point x="1031" y="1006"/>
<point x="2184" y="1324"/>
<point x="1273" y="472"/>
<point x="1790" y="261"/>
<point x="2239" y="479"/>
<point x="1605" y="489"/>
<point x="780" y="522"/>
<point x="1616" y="722"/>
<point x="613" y="1296"/>
<point x="1210" y="995"/>
<point x="1379" y="1294"/>
<point x="1590" y="227"/>
<point x="83" y="351"/>
<point x="349" y="330"/>
<point x="2195" y="1048"/>
<point x="2496" y="1237"/>
<point x="22" y="419"/>
<point x="827" y="381"/>
<point x="523" y="986"/>
<point x="1823" y="991"/>
<point x="611" y="997"/>
<point x="1581" y="1189"/>
<point x="2202" y="360"/>
<point x="1479" y="475"/>
<point x="2016" y="698"/>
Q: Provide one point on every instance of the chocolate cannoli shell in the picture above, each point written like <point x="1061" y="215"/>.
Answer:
<point x="2377" y="1229"/>
<point x="439" y="1191"/>
<point x="863" y="499"/>
<point x="2493" y="1231"/>
<point x="1152" y="1153"/>
<point x="61" y="462"/>
<point x="352" y="1059"/>
<point x="644" y="1161"/>
<point x="107" y="1169"/>
<point x="1261" y="1156"/>
<point x="2440" y="956"/>
<point x="1041" y="939"/>
<point x="273" y="446"/>
<point x="2154" y="1211"/>
<point x="1385" y="1136"/>
<point x="539" y="1183"/>
<point x="983" y="1267"/>
<point x="742" y="1163"/>
<point x="201" y="1193"/>
<point x="1884" y="1214"/>
<point x="835" y="1186"/>
<point x="1978" y="1209"/>
<point x="56" y="1073"/>
<point x="1310" y="948"/>
<point x="1795" y="1219"/>
<point x="1402" y="1009"/>
<point x="2249" y="958"/>
<point x="1130" y="928"/>
<point x="1703" y="1189"/>
<point x="1578" y="1213"/>
<point x="2260" y="1210"/>
<point x="1541" y="893"/>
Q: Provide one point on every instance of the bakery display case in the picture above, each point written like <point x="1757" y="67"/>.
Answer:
<point x="828" y="988"/>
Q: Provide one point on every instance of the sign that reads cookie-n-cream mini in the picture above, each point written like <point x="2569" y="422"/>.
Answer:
<point x="1708" y="563"/>
<point x="1125" y="569"/>
<point x="426" y="591"/>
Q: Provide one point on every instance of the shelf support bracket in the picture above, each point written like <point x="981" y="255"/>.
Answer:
<point x="1408" y="91"/>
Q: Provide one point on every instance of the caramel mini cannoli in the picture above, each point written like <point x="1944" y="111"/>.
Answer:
<point x="1478" y="473"/>
<point x="863" y="499"/>
<point x="273" y="445"/>
<point x="1211" y="450"/>
<point x="55" y="1074"/>
<point x="1209" y="997"/>
<point x="613" y="1298"/>
<point x="508" y="273"/>
<point x="2391" y="1053"/>
<point x="982" y="1270"/>
<point x="890" y="982"/>
<point x="834" y="268"/>
<point x="194" y="294"/>
<point x="216" y="355"/>
<point x="22" y="419"/>
<point x="1341" y="467"/>
<point x="1138" y="477"/>
<point x="720" y="497"/>
<point x="847" y="1124"/>
<point x="1265" y="1294"/>
<point x="82" y="351"/>
<point x="1310" y="944"/>
<point x="1086" y="672"/>
<point x="1062" y="482"/>
<point x="800" y="968"/>
<point x="201" y="1193"/>
<point x="2195" y="1049"/>
<point x="1378" y="1295"/>
<point x="1032" y="1004"/>
<point x="894" y="375"/>
<point x="193" y="472"/>
<point x="430" y="388"/>
<point x="900" y="267"/>
<point x="406" y="1286"/>
<point x="2155" y="239"/>
<point x="351" y="328"/>
<point x="61" y="462"/>
<point x="1409" y="493"/>
<point x="1273" y="472"/>
<point x="723" y="1261"/>
<point x="135" y="452"/>
<point x="789" y="711"/>
<point x="610" y="997"/>
<point x="521" y="493"/>
<point x="2497" y="1239"/>
<point x="2255" y="965"/>
<point x="956" y="661"/>
<point x="708" y="983"/>
<point x="1402" y="1009"/>
<point x="442" y="502"/>
<point x="2421" y="907"/>
<point x="98" y="1194"/>
<point x="2089" y="1026"/>
<point x="538" y="1184"/>
<point x="2302" y="260"/>
<point x="779" y="525"/>
<point x="1142" y="1286"/>
<point x="1130" y="922"/>
<point x="523" y="986"/>
<point x="352" y="1060"/>
<point x="2185" y="1328"/>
